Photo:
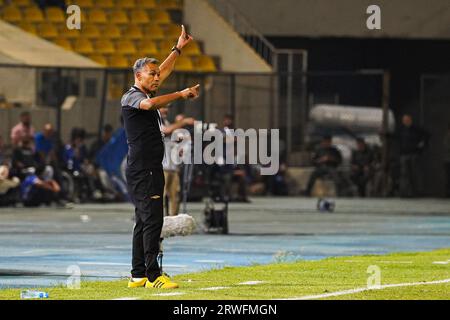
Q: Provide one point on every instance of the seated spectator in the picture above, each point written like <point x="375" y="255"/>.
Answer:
<point x="9" y="190"/>
<point x="362" y="159"/>
<point x="76" y="162"/>
<point x="75" y="152"/>
<point x="23" y="130"/>
<point x="38" y="189"/>
<point x="44" y="145"/>
<point x="107" y="134"/>
<point x="326" y="160"/>
<point x="277" y="184"/>
<point x="23" y="158"/>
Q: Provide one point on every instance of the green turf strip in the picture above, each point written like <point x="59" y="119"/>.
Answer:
<point x="287" y="280"/>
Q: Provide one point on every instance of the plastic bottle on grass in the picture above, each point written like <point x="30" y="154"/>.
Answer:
<point x="30" y="294"/>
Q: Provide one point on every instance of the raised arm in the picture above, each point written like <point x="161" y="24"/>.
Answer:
<point x="162" y="101"/>
<point x="167" y="66"/>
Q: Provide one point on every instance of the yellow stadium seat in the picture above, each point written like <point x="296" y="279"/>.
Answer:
<point x="140" y="16"/>
<point x="48" y="31"/>
<point x="83" y="45"/>
<point x="126" y="4"/>
<point x="97" y="16"/>
<point x="12" y="14"/>
<point x="205" y="64"/>
<point x="69" y="34"/>
<point x="170" y="4"/>
<point x="184" y="64"/>
<point x="192" y="49"/>
<point x="118" y="61"/>
<point x="28" y="27"/>
<point x="161" y="17"/>
<point x="63" y="43"/>
<point x="125" y="47"/>
<point x="153" y="32"/>
<point x="147" y="47"/>
<point x="104" y="4"/>
<point x="90" y="31"/>
<point x="133" y="32"/>
<point x="99" y="58"/>
<point x="146" y="4"/>
<point x="104" y="47"/>
<point x="24" y="3"/>
<point x="111" y="31"/>
<point x="33" y="14"/>
<point x="118" y="17"/>
<point x="83" y="4"/>
<point x="54" y="14"/>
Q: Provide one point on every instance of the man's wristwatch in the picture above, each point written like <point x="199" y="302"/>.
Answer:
<point x="177" y="50"/>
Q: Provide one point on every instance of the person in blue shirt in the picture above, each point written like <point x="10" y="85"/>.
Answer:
<point x="36" y="189"/>
<point x="75" y="153"/>
<point x="44" y="145"/>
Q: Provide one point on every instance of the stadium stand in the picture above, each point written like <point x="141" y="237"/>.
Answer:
<point x="113" y="31"/>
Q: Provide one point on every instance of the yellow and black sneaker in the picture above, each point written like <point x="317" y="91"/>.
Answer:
<point x="132" y="283"/>
<point x="162" y="282"/>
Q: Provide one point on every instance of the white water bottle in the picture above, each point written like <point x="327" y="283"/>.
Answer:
<point x="30" y="294"/>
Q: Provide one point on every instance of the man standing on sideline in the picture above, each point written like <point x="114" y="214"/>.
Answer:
<point x="144" y="173"/>
<point x="171" y="169"/>
<point x="412" y="141"/>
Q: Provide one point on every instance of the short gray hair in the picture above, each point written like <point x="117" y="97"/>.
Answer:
<point x="140" y="63"/>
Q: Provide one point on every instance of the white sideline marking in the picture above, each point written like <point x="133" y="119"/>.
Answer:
<point x="359" y="261"/>
<point x="358" y="290"/>
<point x="93" y="263"/>
<point x="210" y="261"/>
<point x="168" y="294"/>
<point x="441" y="262"/>
<point x="127" y="298"/>
<point x="213" y="288"/>
<point x="251" y="283"/>
<point x="175" y="266"/>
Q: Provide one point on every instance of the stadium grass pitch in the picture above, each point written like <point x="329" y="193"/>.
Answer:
<point x="420" y="275"/>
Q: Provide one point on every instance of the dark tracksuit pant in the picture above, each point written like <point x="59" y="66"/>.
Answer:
<point x="146" y="189"/>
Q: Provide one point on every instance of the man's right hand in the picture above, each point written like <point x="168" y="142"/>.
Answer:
<point x="191" y="93"/>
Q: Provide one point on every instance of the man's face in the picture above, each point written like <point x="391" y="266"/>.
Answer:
<point x="148" y="77"/>
<point x="407" y="120"/>
<point x="107" y="135"/>
<point x="26" y="119"/>
<point x="326" y="143"/>
<point x="48" y="131"/>
<point x="228" y="122"/>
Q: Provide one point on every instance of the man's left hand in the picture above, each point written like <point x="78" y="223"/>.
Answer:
<point x="184" y="38"/>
